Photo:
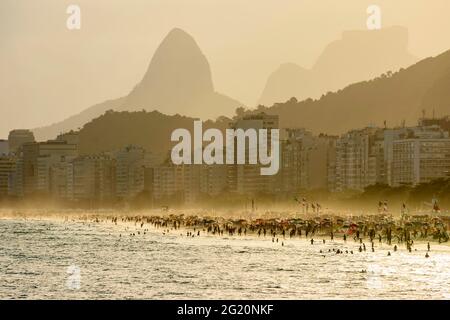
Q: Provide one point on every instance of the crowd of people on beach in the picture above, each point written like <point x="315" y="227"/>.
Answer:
<point x="381" y="228"/>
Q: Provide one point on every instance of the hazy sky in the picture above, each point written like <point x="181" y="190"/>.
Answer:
<point x="48" y="73"/>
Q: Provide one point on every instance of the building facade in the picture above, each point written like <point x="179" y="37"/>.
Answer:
<point x="18" y="137"/>
<point x="39" y="159"/>
<point x="7" y="167"/>
<point x="91" y="178"/>
<point x="130" y="171"/>
<point x="4" y="147"/>
<point x="359" y="159"/>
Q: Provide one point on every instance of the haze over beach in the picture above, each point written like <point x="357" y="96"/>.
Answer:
<point x="226" y="149"/>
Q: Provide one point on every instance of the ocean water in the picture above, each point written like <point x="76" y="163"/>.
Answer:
<point x="53" y="259"/>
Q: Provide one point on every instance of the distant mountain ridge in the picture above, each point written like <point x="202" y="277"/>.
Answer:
<point x="150" y="130"/>
<point x="178" y="81"/>
<point x="394" y="97"/>
<point x="357" y="56"/>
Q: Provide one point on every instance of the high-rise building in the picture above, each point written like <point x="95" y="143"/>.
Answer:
<point x="4" y="147"/>
<point x="15" y="187"/>
<point x="246" y="178"/>
<point x="168" y="182"/>
<point x="289" y="177"/>
<point x="421" y="155"/>
<point x="38" y="160"/>
<point x="92" y="178"/>
<point x="131" y="162"/>
<point x="318" y="157"/>
<point x="58" y="183"/>
<point x="213" y="179"/>
<point x="390" y="135"/>
<point x="394" y="134"/>
<point x="7" y="166"/>
<point x="306" y="160"/>
<point x="18" y="137"/>
<point x="359" y="159"/>
<point x="191" y="175"/>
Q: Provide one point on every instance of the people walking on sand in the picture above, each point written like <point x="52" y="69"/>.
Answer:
<point x="358" y="227"/>
<point x="292" y="233"/>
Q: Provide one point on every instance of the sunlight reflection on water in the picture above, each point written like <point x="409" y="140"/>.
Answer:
<point x="46" y="259"/>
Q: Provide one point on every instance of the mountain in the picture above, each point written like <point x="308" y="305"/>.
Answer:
<point x="150" y="130"/>
<point x="287" y="81"/>
<point x="178" y="80"/>
<point x="357" y="56"/>
<point x="77" y="121"/>
<point x="394" y="97"/>
<point x="114" y="130"/>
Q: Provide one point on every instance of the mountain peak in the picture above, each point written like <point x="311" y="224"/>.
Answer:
<point x="358" y="55"/>
<point x="179" y="80"/>
<point x="178" y="33"/>
<point x="179" y="39"/>
<point x="177" y="74"/>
